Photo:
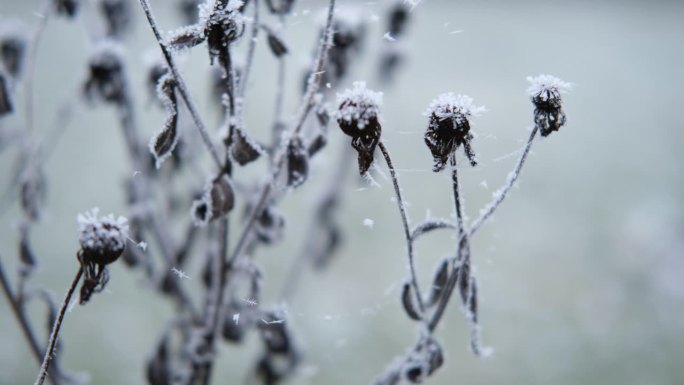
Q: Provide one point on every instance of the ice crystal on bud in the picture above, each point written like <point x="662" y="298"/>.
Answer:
<point x="105" y="235"/>
<point x="547" y="87"/>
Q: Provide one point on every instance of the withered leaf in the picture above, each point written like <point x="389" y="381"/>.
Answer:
<point x="5" y="100"/>
<point x="244" y="149"/>
<point x="222" y="196"/>
<point x="162" y="144"/>
<point x="317" y="144"/>
<point x="408" y="300"/>
<point x="187" y="37"/>
<point x="297" y="163"/>
<point x="276" y="44"/>
<point x="439" y="282"/>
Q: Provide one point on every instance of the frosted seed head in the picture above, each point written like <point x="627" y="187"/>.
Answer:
<point x="105" y="79"/>
<point x="449" y="127"/>
<point x="545" y="92"/>
<point x="102" y="239"/>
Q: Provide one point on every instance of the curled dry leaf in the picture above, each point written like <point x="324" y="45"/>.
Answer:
<point x="408" y="300"/>
<point x="163" y="144"/>
<point x="244" y="149"/>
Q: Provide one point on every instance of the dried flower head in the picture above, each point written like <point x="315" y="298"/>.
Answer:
<point x="223" y="23"/>
<point x="117" y="15"/>
<point x="280" y="7"/>
<point x="106" y="79"/>
<point x="545" y="92"/>
<point x="103" y="240"/>
<point x="358" y="117"/>
<point x="449" y="127"/>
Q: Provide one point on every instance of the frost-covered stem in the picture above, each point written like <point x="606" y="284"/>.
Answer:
<point x="407" y="232"/>
<point x="312" y="87"/>
<point x="185" y="94"/>
<point x="462" y="251"/>
<point x="503" y="192"/>
<point x="251" y="48"/>
<point x="55" y="329"/>
<point x="31" y="61"/>
<point x="280" y="94"/>
<point x="26" y="328"/>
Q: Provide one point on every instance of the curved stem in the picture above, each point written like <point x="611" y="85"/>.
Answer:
<point x="181" y="85"/>
<point x="501" y="194"/>
<point x="55" y="329"/>
<point x="407" y="231"/>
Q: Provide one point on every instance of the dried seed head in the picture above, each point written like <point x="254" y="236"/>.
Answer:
<point x="358" y="117"/>
<point x="449" y="126"/>
<point x="280" y="7"/>
<point x="218" y="200"/>
<point x="66" y="8"/>
<point x="545" y="92"/>
<point x="102" y="239"/>
<point x="117" y="14"/>
<point x="13" y="43"/>
<point x="106" y="79"/>
<point x="223" y="24"/>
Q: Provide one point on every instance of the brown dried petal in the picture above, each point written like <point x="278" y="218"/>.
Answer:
<point x="162" y="144"/>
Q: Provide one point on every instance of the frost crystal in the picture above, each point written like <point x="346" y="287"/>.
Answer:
<point x="449" y="105"/>
<point x="547" y="86"/>
<point x="358" y="104"/>
<point x="103" y="234"/>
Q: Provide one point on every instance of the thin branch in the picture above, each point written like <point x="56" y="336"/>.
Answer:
<point x="251" y="48"/>
<point x="55" y="329"/>
<point x="407" y="232"/>
<point x="501" y="194"/>
<point x="181" y="85"/>
<point x="430" y="225"/>
<point x="24" y="323"/>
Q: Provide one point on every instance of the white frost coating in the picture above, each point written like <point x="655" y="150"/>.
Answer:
<point x="236" y="318"/>
<point x="206" y="8"/>
<point x="368" y="222"/>
<point x="105" y="233"/>
<point x="450" y="105"/>
<point x="358" y="104"/>
<point x="545" y="86"/>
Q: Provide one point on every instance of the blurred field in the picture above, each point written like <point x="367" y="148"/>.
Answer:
<point x="581" y="274"/>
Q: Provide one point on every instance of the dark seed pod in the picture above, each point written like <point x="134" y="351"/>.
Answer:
<point x="270" y="226"/>
<point x="398" y="15"/>
<point x="277" y="45"/>
<point x="439" y="282"/>
<point x="297" y="163"/>
<point x="117" y="15"/>
<point x="26" y="257"/>
<point x="158" y="366"/>
<point x="163" y="143"/>
<point x="280" y="7"/>
<point x="408" y="298"/>
<point x="5" y="99"/>
<point x="358" y="117"/>
<point x="12" y="51"/>
<point x="223" y="26"/>
<point x="244" y="149"/>
<point x="67" y="8"/>
<point x="106" y="79"/>
<point x="545" y="93"/>
<point x="449" y="127"/>
<point x="316" y="145"/>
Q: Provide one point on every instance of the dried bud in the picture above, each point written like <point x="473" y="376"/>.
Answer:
<point x="398" y="15"/>
<point x="280" y="7"/>
<point x="422" y="363"/>
<point x="449" y="127"/>
<point x="66" y="8"/>
<point x="277" y="45"/>
<point x="297" y="163"/>
<point x="13" y="44"/>
<point x="106" y="79"/>
<point x="358" y="117"/>
<point x="117" y="14"/>
<point x="185" y="37"/>
<point x="102" y="239"/>
<point x="545" y="92"/>
<point x="223" y="24"/>
<point x="218" y="200"/>
<point x="270" y="226"/>
<point x="5" y="99"/>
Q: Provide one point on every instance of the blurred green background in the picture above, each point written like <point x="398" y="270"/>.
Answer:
<point x="581" y="274"/>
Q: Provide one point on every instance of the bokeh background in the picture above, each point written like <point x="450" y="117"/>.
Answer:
<point x="581" y="274"/>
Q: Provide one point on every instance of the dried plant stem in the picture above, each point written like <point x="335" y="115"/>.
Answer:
<point x="26" y="328"/>
<point x="462" y="252"/>
<point x="312" y="87"/>
<point x="185" y="94"/>
<point x="31" y="61"/>
<point x="503" y="192"/>
<point x="56" y="327"/>
<point x="251" y="48"/>
<point x="407" y="231"/>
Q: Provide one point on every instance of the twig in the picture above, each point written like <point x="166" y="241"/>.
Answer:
<point x="181" y="85"/>
<point x="503" y="192"/>
<point x="55" y="329"/>
<point x="407" y="232"/>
